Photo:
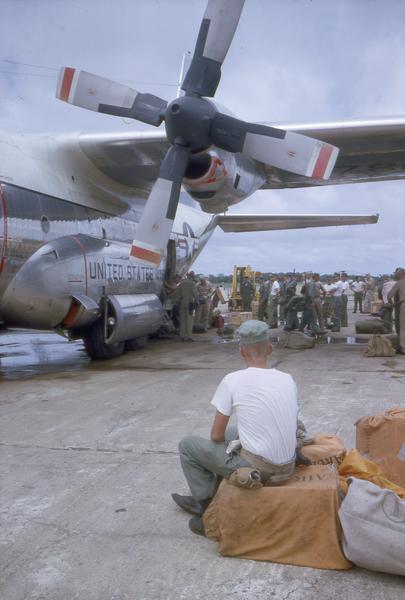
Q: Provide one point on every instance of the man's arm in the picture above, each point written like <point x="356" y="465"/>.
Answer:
<point x="218" y="427"/>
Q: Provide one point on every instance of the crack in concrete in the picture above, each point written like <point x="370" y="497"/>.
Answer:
<point x="88" y="449"/>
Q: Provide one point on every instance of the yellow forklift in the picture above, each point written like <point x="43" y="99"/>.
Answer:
<point x="239" y="273"/>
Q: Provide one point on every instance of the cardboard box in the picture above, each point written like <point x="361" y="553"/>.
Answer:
<point x="381" y="439"/>
<point x="234" y="318"/>
<point x="245" y="316"/>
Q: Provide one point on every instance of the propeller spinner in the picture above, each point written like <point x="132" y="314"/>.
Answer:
<point x="193" y="124"/>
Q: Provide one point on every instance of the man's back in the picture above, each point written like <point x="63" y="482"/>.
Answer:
<point x="266" y="408"/>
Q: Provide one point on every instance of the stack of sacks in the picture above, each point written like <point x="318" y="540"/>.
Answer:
<point x="373" y="513"/>
<point x="298" y="522"/>
<point x="294" y="523"/>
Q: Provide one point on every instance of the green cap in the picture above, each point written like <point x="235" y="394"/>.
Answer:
<point x="253" y="332"/>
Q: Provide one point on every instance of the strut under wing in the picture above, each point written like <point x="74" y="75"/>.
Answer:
<point x="239" y="223"/>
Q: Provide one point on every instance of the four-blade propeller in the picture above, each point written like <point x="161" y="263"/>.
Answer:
<point x="193" y="124"/>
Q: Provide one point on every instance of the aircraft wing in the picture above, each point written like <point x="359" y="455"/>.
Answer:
<point x="370" y="150"/>
<point x="239" y="223"/>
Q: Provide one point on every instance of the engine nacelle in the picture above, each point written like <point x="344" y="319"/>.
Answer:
<point x="217" y="179"/>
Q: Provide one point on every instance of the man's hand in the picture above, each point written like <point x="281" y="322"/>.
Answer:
<point x="218" y="427"/>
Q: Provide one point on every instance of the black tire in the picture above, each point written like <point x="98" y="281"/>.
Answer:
<point x="95" y="345"/>
<point x="136" y="343"/>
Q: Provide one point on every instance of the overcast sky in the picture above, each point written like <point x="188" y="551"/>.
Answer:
<point x="291" y="60"/>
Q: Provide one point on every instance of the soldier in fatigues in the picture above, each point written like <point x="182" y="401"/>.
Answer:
<point x="247" y="293"/>
<point x="186" y="297"/>
<point x="398" y="293"/>
<point x="343" y="300"/>
<point x="263" y="298"/>
<point x="274" y="293"/>
<point x="204" y="302"/>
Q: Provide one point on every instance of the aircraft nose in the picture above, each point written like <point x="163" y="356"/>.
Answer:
<point x="40" y="294"/>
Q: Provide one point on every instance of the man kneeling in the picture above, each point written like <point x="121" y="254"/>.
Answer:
<point x="265" y="403"/>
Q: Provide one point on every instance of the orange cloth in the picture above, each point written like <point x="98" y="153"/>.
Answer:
<point x="355" y="465"/>
<point x="295" y="523"/>
<point x="381" y="438"/>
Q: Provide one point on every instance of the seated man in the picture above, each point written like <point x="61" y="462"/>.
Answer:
<point x="265" y="403"/>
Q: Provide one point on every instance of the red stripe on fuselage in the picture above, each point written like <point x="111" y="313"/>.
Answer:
<point x="143" y="254"/>
<point x="66" y="83"/>
<point x="3" y="257"/>
<point x="322" y="162"/>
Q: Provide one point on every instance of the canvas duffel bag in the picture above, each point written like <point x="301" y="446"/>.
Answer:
<point x="373" y="524"/>
<point x="372" y="325"/>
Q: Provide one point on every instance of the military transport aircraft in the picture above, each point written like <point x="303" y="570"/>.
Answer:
<point x="92" y="224"/>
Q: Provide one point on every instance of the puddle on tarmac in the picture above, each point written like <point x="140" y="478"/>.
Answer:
<point x="349" y="340"/>
<point x="24" y="354"/>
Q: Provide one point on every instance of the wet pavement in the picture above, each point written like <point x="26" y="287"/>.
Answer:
<point x="25" y="353"/>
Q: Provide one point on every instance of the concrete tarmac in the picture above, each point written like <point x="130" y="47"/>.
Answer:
<point x="89" y="460"/>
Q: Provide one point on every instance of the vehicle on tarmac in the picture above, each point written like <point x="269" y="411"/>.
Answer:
<point x="91" y="225"/>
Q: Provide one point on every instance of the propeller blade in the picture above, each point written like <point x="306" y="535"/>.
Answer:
<point x="103" y="95"/>
<point x="216" y="33"/>
<point x="285" y="150"/>
<point x="155" y="225"/>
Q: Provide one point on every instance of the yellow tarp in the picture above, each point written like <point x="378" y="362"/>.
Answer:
<point x="355" y="465"/>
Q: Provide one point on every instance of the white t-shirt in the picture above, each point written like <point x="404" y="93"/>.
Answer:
<point x="358" y="286"/>
<point x="275" y="288"/>
<point x="265" y="402"/>
<point x="337" y="288"/>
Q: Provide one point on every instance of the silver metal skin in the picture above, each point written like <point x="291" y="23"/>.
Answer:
<point x="60" y="260"/>
<point x="136" y="315"/>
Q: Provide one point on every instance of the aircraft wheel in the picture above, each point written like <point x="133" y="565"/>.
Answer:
<point x="136" y="343"/>
<point x="95" y="345"/>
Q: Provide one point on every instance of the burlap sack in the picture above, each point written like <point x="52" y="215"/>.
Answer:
<point x="379" y="345"/>
<point x="294" y="523"/>
<point x="325" y="450"/>
<point x="381" y="438"/>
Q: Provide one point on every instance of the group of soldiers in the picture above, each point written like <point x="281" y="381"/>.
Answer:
<point x="303" y="302"/>
<point x="295" y="301"/>
<point x="189" y="301"/>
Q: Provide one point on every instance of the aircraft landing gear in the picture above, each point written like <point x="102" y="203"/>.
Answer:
<point x="95" y="345"/>
<point x="136" y="343"/>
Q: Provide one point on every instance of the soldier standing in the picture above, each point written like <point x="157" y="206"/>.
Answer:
<point x="344" y="299"/>
<point x="204" y="302"/>
<point x="368" y="292"/>
<point x="282" y="298"/>
<point x="309" y="315"/>
<point x="186" y="297"/>
<point x="336" y="293"/>
<point x="358" y="289"/>
<point x="318" y="290"/>
<point x="263" y="299"/>
<point x="247" y="293"/>
<point x="274" y="294"/>
<point x="398" y="293"/>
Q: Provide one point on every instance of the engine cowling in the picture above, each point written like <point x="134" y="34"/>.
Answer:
<point x="217" y="179"/>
